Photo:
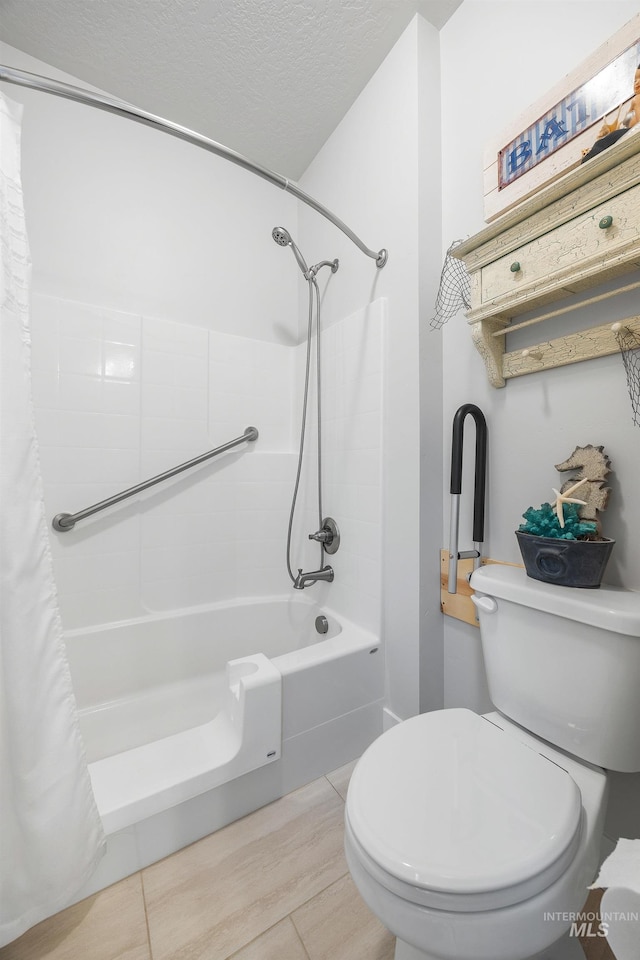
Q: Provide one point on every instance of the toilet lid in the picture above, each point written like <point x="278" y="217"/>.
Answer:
<point x="448" y="802"/>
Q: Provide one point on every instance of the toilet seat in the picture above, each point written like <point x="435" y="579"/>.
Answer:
<point x="449" y="811"/>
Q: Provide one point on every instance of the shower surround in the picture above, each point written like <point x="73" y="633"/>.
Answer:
<point x="120" y="398"/>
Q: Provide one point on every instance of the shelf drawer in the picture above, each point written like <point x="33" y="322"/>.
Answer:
<point x="593" y="235"/>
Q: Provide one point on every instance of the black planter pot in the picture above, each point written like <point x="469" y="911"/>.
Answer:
<point x="569" y="563"/>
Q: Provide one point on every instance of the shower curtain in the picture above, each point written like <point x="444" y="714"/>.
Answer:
<point x="51" y="835"/>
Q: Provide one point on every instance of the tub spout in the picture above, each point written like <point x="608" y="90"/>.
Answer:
<point x="305" y="579"/>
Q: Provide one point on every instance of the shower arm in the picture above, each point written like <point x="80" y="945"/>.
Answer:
<point x="47" y="85"/>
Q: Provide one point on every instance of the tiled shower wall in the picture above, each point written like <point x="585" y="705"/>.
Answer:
<point x="352" y="444"/>
<point x="120" y="398"/>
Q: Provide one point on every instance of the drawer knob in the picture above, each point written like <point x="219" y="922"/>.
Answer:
<point x="605" y="223"/>
<point x="515" y="267"/>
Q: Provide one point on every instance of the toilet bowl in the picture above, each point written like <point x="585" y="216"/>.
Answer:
<point x="471" y="838"/>
<point x="476" y="838"/>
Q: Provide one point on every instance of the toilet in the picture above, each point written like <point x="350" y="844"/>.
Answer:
<point x="476" y="837"/>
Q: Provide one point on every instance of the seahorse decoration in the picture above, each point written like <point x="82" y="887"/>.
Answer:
<point x="593" y="466"/>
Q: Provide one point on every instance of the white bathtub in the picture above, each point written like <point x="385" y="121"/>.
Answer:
<point x="192" y="719"/>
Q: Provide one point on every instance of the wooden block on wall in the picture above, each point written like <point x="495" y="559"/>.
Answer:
<point x="459" y="605"/>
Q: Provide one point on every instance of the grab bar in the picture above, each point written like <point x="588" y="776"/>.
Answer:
<point x="456" y="489"/>
<point x="67" y="521"/>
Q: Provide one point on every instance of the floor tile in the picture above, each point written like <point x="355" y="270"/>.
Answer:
<point x="216" y="896"/>
<point x="337" y="925"/>
<point x="339" y="778"/>
<point x="279" y="943"/>
<point x="110" y="925"/>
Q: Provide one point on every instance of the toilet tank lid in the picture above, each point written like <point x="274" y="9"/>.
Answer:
<point x="607" y="607"/>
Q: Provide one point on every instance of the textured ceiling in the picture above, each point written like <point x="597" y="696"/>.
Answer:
<point x="268" y="78"/>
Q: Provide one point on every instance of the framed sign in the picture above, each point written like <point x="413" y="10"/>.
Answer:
<point x="589" y="111"/>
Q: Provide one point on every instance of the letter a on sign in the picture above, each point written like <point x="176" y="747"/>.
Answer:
<point x="553" y="131"/>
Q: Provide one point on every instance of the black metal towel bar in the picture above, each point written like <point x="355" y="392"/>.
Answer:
<point x="456" y="488"/>
<point x="67" y="521"/>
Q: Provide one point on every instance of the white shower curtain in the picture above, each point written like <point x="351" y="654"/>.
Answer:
<point x="51" y="835"/>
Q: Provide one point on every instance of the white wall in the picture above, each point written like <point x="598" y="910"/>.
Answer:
<point x="352" y="409"/>
<point x="119" y="398"/>
<point x="498" y="57"/>
<point x="124" y="216"/>
<point x="165" y="320"/>
<point x="430" y="344"/>
<point x="369" y="172"/>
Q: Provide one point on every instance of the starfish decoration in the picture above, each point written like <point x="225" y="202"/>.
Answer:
<point x="566" y="498"/>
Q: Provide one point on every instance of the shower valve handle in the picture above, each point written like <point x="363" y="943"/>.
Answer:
<point x="322" y="536"/>
<point x="328" y="535"/>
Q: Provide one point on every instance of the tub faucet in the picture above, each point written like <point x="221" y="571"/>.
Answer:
<point x="305" y="579"/>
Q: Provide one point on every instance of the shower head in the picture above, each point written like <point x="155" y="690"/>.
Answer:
<point x="283" y="238"/>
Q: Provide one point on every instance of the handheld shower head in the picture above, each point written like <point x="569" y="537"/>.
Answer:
<point x="283" y="238"/>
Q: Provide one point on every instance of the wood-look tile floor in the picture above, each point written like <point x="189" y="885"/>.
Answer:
<point x="272" y="886"/>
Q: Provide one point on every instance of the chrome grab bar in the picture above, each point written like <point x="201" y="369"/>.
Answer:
<point x="67" y="521"/>
<point x="456" y="489"/>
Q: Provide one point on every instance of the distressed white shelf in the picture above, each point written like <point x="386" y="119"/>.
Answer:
<point x="579" y="231"/>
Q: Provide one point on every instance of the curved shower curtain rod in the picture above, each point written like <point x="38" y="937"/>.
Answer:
<point x="46" y="85"/>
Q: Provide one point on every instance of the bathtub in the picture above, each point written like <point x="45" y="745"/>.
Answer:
<point x="194" y="718"/>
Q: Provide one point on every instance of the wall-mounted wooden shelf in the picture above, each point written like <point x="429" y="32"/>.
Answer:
<point x="594" y="342"/>
<point x="579" y="231"/>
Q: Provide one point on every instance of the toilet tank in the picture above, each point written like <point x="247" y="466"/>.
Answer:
<point x="564" y="663"/>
